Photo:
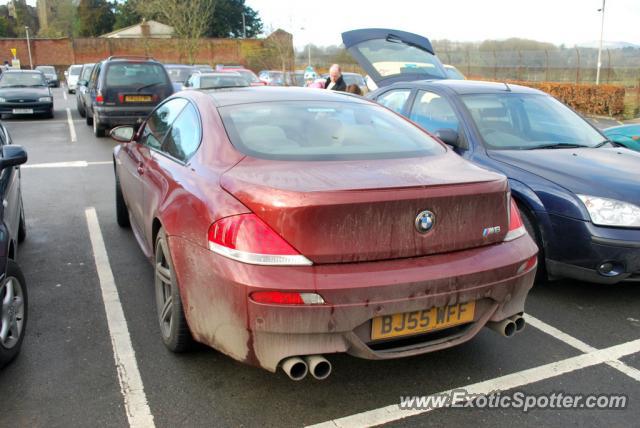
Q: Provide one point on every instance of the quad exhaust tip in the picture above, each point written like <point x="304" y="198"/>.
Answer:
<point x="297" y="368"/>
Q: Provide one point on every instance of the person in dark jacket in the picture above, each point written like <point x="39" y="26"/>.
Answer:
<point x="335" y="82"/>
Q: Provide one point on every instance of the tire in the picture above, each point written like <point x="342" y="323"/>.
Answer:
<point x="22" y="225"/>
<point x="98" y="130"/>
<point x="14" y="313"/>
<point x="533" y="231"/>
<point x="49" y="114"/>
<point x="81" y="111"/>
<point x="122" y="212"/>
<point x="88" y="119"/>
<point x="173" y="324"/>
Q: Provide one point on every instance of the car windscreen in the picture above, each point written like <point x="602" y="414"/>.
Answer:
<point x="75" y="70"/>
<point x="249" y="76"/>
<point x="46" y="69"/>
<point x="21" y="80"/>
<point x="277" y="77"/>
<point x="454" y="73"/>
<point x="86" y="71"/>
<point x="510" y="121"/>
<point x="179" y="74"/>
<point x="321" y="130"/>
<point x="393" y="59"/>
<point x="211" y="82"/>
<point x="353" y="79"/>
<point x="135" y="75"/>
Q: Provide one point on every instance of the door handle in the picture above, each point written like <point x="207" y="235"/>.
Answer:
<point x="140" y="169"/>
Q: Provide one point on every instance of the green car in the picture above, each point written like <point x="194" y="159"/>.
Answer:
<point x="627" y="135"/>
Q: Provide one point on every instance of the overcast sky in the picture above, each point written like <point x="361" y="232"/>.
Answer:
<point x="556" y="21"/>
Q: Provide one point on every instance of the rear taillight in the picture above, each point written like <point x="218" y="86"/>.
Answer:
<point x="99" y="98"/>
<point x="516" y="227"/>
<point x="248" y="239"/>
<point x="287" y="298"/>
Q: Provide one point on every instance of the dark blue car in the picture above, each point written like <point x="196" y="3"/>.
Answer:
<point x="578" y="192"/>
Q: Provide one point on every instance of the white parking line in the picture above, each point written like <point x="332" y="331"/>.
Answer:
<point x="503" y="383"/>
<point x="135" y="399"/>
<point x="72" y="128"/>
<point x="71" y="164"/>
<point x="64" y="93"/>
<point x="579" y="345"/>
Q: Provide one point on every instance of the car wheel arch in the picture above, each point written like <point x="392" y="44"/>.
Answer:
<point x="156" y="225"/>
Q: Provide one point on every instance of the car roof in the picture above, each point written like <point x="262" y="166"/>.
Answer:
<point x="463" y="87"/>
<point x="21" y="71"/>
<point x="220" y="73"/>
<point x="250" y="95"/>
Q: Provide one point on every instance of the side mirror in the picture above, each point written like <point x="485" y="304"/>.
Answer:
<point x="122" y="134"/>
<point x="82" y="83"/>
<point x="12" y="155"/>
<point x="448" y="136"/>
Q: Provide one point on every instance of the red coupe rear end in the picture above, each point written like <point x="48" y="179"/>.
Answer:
<point x="309" y="223"/>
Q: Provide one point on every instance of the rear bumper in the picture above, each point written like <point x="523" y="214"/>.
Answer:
<point x="221" y="314"/>
<point x="115" y="116"/>
<point x="38" y="108"/>
<point x="579" y="248"/>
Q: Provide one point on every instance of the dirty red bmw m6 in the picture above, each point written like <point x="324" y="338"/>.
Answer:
<point x="288" y="224"/>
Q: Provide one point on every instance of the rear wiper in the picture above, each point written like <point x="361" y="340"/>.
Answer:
<point x="148" y="86"/>
<point x="557" y="146"/>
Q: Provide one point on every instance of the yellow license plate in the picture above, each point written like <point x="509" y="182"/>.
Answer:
<point x="137" y="99"/>
<point x="409" y="323"/>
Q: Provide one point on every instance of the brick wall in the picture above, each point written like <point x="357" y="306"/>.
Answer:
<point x="63" y="52"/>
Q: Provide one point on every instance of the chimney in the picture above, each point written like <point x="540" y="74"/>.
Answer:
<point x="144" y="28"/>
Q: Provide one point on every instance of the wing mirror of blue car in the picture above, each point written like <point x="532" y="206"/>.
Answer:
<point x="449" y="137"/>
<point x="82" y="83"/>
<point x="123" y="134"/>
<point x="12" y="155"/>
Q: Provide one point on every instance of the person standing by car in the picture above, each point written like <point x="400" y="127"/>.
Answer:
<point x="335" y="82"/>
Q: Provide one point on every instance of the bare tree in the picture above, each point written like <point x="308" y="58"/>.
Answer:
<point x="189" y="18"/>
<point x="280" y="43"/>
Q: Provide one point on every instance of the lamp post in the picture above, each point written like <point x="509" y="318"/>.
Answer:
<point x="244" y="27"/>
<point x="308" y="46"/>
<point x="600" y="48"/>
<point x="26" y="29"/>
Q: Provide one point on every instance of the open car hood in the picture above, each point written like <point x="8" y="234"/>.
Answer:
<point x="390" y="56"/>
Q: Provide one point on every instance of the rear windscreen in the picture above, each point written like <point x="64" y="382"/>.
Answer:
<point x="320" y="130"/>
<point x="75" y="70"/>
<point x="209" y="82"/>
<point x="179" y="74"/>
<point x="136" y="75"/>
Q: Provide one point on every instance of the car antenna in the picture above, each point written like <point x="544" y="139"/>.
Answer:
<point x="508" y="88"/>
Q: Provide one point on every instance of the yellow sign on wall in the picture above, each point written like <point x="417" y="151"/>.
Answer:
<point x="14" y="52"/>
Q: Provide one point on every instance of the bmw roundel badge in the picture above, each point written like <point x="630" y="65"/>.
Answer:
<point x="425" y="221"/>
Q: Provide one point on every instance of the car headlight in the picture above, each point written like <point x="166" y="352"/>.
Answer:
<point x="45" y="99"/>
<point x="3" y="100"/>
<point x="609" y="212"/>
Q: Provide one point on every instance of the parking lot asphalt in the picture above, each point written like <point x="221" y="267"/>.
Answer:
<point x="583" y="338"/>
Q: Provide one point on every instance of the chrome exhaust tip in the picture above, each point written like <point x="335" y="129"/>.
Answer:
<point x="295" y="367"/>
<point x="506" y="327"/>
<point x="319" y="367"/>
<point x="519" y="321"/>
